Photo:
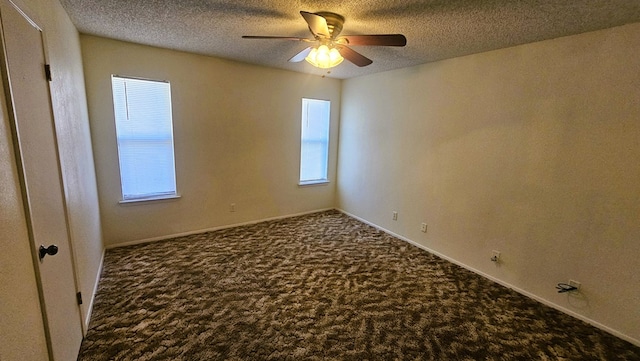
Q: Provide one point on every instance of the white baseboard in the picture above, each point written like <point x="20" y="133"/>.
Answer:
<point x="161" y="238"/>
<point x="95" y="290"/>
<point x="505" y="284"/>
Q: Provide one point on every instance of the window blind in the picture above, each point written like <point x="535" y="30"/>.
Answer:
<point x="144" y="130"/>
<point x="314" y="153"/>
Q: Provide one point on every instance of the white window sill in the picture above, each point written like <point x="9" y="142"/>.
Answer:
<point x="150" y="199"/>
<point x="318" y="182"/>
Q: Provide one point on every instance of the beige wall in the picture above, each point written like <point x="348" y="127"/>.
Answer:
<point x="532" y="150"/>
<point x="237" y="140"/>
<point x="21" y="329"/>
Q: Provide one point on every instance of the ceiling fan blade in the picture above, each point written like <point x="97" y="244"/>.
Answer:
<point x="380" y="40"/>
<point x="275" y="37"/>
<point x="300" y="56"/>
<point x="317" y="24"/>
<point x="353" y="56"/>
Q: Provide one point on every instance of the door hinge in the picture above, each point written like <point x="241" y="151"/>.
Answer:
<point x="47" y="71"/>
<point x="79" y="297"/>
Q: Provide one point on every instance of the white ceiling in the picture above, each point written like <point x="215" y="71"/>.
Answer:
<point x="435" y="29"/>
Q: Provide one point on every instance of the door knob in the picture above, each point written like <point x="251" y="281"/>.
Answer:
<point x="52" y="250"/>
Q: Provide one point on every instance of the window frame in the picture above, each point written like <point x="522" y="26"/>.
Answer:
<point x="149" y="196"/>
<point x="320" y="181"/>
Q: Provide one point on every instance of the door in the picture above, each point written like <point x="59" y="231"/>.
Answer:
<point x="29" y="105"/>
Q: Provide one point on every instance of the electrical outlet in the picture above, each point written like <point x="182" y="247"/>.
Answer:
<point x="423" y="227"/>
<point x="232" y="207"/>
<point x="495" y="256"/>
<point x="395" y="215"/>
<point x="575" y="284"/>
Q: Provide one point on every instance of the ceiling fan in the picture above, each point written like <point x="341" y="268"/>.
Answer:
<point x="330" y="49"/>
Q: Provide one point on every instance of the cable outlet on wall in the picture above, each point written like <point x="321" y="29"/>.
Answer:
<point x="423" y="227"/>
<point x="495" y="256"/>
<point x="395" y="215"/>
<point x="232" y="207"/>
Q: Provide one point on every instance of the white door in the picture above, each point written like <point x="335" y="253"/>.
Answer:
<point x="30" y="107"/>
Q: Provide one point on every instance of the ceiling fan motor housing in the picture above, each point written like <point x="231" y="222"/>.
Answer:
<point x="334" y="22"/>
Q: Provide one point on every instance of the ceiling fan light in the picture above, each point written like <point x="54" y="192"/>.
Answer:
<point x="323" y="57"/>
<point x="335" y="57"/>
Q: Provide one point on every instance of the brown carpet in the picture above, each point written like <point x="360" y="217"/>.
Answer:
<point x="319" y="287"/>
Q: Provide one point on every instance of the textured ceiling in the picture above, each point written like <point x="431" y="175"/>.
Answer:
<point x="435" y="29"/>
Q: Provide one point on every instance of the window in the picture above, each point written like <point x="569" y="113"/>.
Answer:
<point x="144" y="133"/>
<point x="314" y="152"/>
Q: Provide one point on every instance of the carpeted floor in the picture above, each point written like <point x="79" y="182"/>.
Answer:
<point x="319" y="287"/>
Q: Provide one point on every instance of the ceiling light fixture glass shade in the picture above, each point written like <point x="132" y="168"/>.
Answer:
<point x="323" y="57"/>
